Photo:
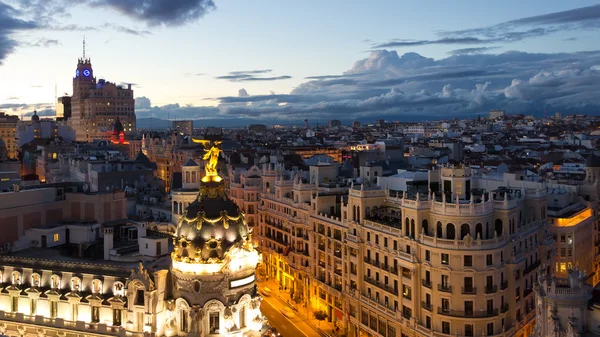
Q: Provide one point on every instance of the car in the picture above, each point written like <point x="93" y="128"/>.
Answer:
<point x="274" y="333"/>
<point x="287" y="312"/>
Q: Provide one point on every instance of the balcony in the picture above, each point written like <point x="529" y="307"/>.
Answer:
<point x="426" y="283"/>
<point x="532" y="267"/>
<point x="490" y="289"/>
<point x="467" y="314"/>
<point x="426" y="306"/>
<point x="468" y="290"/>
<point x="322" y="247"/>
<point x="504" y="308"/>
<point x="504" y="285"/>
<point x="381" y="285"/>
<point x="372" y="262"/>
<point x="527" y="292"/>
<point x="337" y="253"/>
<point x="445" y="288"/>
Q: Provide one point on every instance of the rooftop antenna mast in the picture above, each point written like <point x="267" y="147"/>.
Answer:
<point x="84" y="47"/>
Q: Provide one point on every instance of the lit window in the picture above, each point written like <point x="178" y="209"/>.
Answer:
<point x="56" y="237"/>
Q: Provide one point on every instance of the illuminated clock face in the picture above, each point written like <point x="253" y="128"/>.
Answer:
<point x="86" y="72"/>
<point x="77" y="73"/>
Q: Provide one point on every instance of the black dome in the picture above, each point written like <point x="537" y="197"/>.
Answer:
<point x="211" y="225"/>
<point x="118" y="128"/>
<point x="35" y="117"/>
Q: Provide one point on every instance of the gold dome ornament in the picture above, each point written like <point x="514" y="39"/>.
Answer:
<point x="211" y="155"/>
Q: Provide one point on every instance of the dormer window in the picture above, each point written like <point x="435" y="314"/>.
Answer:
<point x="75" y="284"/>
<point x="16" y="278"/>
<point x="139" y="297"/>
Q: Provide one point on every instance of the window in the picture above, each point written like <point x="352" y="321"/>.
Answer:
<point x="468" y="329"/>
<point x="14" y="303"/>
<point x="490" y="329"/>
<point x="214" y="323"/>
<point x="406" y="292"/>
<point x="53" y="309"/>
<point x="385" y="242"/>
<point x="117" y="317"/>
<point x="446" y="327"/>
<point x="427" y="255"/>
<point x="56" y="237"/>
<point x="95" y="314"/>
<point x="562" y="238"/>
<point x="183" y="321"/>
<point x="445" y="305"/>
<point x="445" y="259"/>
<point x="563" y="252"/>
<point x="369" y="236"/>
<point x="376" y="239"/>
<point x="488" y="260"/>
<point x="139" y="297"/>
<point x="468" y="259"/>
<point x="428" y="322"/>
<point x="33" y="306"/>
<point x="445" y="282"/>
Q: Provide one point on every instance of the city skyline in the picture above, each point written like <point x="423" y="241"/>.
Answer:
<point x="204" y="59"/>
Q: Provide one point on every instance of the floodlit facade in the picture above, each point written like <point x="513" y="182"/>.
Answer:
<point x="451" y="260"/>
<point x="97" y="105"/>
<point x="204" y="287"/>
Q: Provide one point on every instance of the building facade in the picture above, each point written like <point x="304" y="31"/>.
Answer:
<point x="8" y="133"/>
<point x="184" y="127"/>
<point x="97" y="105"/>
<point x="457" y="260"/>
<point x="204" y="287"/>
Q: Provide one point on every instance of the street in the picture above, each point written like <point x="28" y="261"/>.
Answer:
<point x="278" y="321"/>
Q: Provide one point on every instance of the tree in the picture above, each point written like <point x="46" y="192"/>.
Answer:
<point x="320" y="315"/>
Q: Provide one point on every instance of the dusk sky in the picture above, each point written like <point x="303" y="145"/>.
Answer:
<point x="284" y="60"/>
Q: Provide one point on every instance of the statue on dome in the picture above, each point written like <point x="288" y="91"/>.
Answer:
<point x="211" y="156"/>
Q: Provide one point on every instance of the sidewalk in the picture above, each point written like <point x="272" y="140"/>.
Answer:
<point x="304" y="319"/>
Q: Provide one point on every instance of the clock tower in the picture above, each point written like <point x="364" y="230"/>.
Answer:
<point x="96" y="105"/>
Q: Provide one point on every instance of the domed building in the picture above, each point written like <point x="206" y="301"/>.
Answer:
<point x="214" y="262"/>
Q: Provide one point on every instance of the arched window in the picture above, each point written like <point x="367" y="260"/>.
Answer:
<point x="187" y="176"/>
<point x="498" y="226"/>
<point x="16" y="278"/>
<point x="479" y="231"/>
<point x="464" y="230"/>
<point x="35" y="280"/>
<point x="412" y="228"/>
<point x="119" y="289"/>
<point x="75" y="284"/>
<point x="368" y="212"/>
<point x="424" y="226"/>
<point x="450" y="231"/>
<point x="358" y="213"/>
<point x="193" y="177"/>
<point x="354" y="213"/>
<point x="97" y="286"/>
<point x="55" y="281"/>
<point x="438" y="230"/>
<point x="406" y="226"/>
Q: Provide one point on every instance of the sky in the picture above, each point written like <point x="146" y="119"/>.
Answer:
<point x="286" y="61"/>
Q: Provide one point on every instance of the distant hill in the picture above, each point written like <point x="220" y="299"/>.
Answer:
<point x="152" y="123"/>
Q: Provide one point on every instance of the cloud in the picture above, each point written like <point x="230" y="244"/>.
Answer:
<point x="159" y="12"/>
<point x="466" y="84"/>
<point x="36" y="86"/>
<point x="11" y="23"/>
<point x="142" y="102"/>
<point x="243" y="93"/>
<point x="251" y="75"/>
<point x="584" y="18"/>
<point x="127" y="30"/>
<point x="45" y="43"/>
<point x="470" y="51"/>
<point x="12" y="98"/>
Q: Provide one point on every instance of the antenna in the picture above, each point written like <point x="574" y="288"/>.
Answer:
<point x="84" y="47"/>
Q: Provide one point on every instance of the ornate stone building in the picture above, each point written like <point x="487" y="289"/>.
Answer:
<point x="457" y="258"/>
<point x="97" y="105"/>
<point x="206" y="287"/>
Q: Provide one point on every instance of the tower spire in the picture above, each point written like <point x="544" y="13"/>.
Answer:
<point x="84" y="47"/>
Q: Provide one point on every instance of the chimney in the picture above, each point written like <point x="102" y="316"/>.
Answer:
<point x="108" y="242"/>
